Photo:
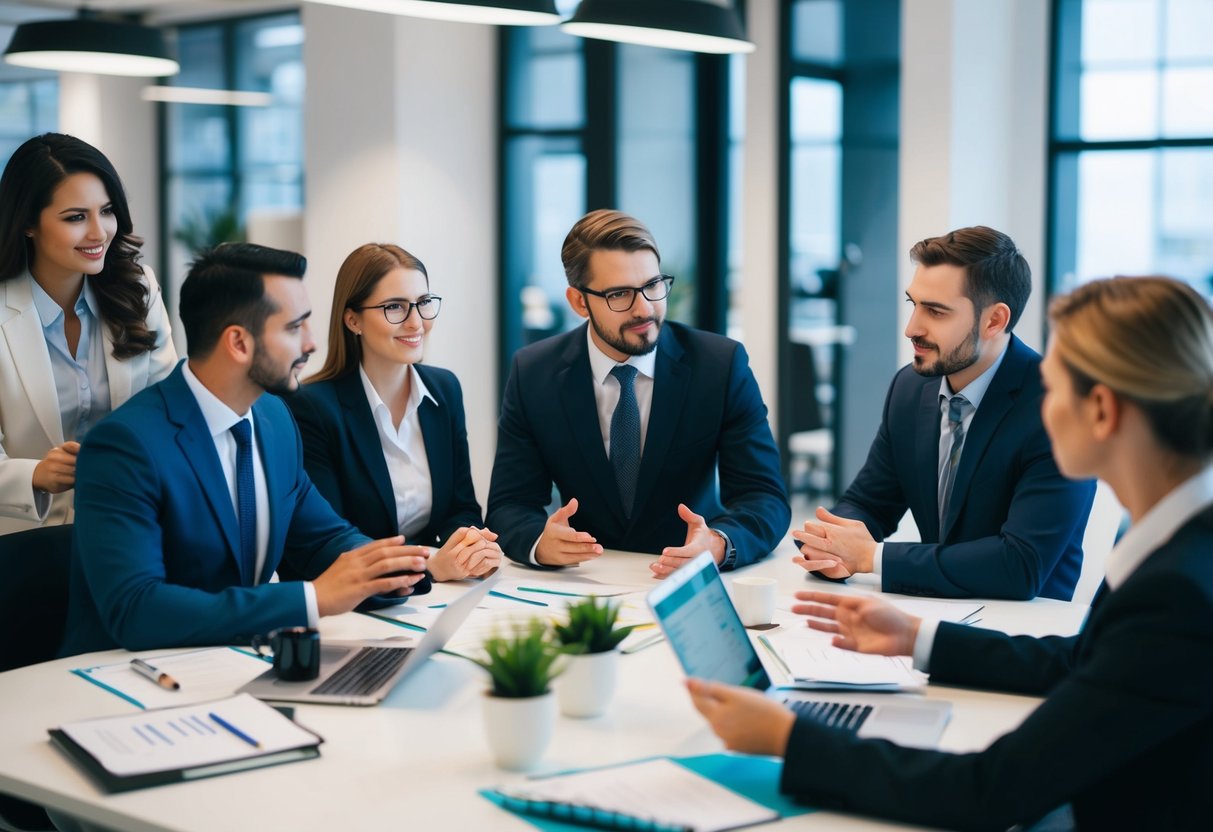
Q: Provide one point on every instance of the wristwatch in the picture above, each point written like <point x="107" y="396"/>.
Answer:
<point x="730" y="552"/>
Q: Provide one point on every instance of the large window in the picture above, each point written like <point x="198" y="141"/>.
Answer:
<point x="29" y="103"/>
<point x="839" y="235"/>
<point x="588" y="124"/>
<point x="1132" y="148"/>
<point x="224" y="164"/>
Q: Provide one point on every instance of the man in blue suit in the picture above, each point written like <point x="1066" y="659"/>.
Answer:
<point x="961" y="445"/>
<point x="190" y="495"/>
<point x="631" y="417"/>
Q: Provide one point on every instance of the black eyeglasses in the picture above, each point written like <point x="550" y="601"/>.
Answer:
<point x="622" y="299"/>
<point x="398" y="311"/>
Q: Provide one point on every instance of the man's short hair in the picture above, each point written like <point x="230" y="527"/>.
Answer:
<point x="995" y="271"/>
<point x="602" y="230"/>
<point x="225" y="287"/>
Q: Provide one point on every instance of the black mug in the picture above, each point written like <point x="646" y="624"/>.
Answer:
<point x="296" y="652"/>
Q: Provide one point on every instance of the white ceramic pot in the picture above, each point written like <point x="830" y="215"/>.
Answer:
<point x="519" y="730"/>
<point x="587" y="685"/>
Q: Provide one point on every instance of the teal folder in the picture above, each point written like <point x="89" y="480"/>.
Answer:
<point x="756" y="778"/>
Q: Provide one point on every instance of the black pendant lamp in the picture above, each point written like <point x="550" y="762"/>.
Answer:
<point x="89" y="44"/>
<point x="692" y="25"/>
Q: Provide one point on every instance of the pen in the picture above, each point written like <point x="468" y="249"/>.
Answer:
<point x="223" y="723"/>
<point x="155" y="674"/>
<point x="516" y="598"/>
<point x="548" y="591"/>
<point x="775" y="654"/>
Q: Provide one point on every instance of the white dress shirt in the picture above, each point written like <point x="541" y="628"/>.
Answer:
<point x="219" y="421"/>
<point x="974" y="392"/>
<point x="408" y="465"/>
<point x="1142" y="539"/>
<point x="81" y="380"/>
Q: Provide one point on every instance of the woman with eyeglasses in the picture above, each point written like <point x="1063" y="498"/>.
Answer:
<point x="84" y="327"/>
<point x="1124" y="736"/>
<point x="384" y="436"/>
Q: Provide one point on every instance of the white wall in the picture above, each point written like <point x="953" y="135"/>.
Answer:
<point x="974" y="125"/>
<point x="401" y="147"/>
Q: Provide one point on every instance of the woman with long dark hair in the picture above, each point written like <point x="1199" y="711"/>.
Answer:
<point x="1124" y="735"/>
<point x="84" y="327"/>
<point x="385" y="436"/>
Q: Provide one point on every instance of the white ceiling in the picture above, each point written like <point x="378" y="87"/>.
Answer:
<point x="157" y="11"/>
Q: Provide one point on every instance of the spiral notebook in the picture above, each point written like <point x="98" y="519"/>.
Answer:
<point x="661" y="795"/>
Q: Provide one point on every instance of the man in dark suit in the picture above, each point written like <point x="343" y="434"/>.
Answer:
<point x="631" y="417"/>
<point x="190" y="495"/>
<point x="961" y="445"/>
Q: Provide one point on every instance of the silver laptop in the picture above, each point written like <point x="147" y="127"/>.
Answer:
<point x="701" y="624"/>
<point x="363" y="673"/>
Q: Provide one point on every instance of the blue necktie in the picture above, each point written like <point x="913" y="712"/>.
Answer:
<point x="246" y="501"/>
<point x="625" y="437"/>
<point x="947" y="478"/>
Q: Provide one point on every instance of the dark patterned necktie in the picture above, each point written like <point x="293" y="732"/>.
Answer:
<point x="246" y="501"/>
<point x="625" y="437"/>
<point x="957" y="406"/>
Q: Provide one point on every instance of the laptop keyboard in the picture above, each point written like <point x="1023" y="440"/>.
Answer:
<point x="365" y="673"/>
<point x="847" y="716"/>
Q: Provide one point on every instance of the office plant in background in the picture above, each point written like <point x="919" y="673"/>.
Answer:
<point x="591" y="638"/>
<point x="520" y="706"/>
<point x="207" y="229"/>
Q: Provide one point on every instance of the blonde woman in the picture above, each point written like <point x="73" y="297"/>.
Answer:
<point x="1123" y="737"/>
<point x="384" y="436"/>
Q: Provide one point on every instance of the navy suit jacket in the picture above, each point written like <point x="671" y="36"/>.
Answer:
<point x="1014" y="526"/>
<point x="706" y="410"/>
<point x="1125" y="734"/>
<point x="155" y="560"/>
<point x="344" y="458"/>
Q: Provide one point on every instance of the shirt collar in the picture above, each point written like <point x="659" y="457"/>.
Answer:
<point x="417" y="391"/>
<point x="219" y="417"/>
<point x="601" y="364"/>
<point x="1158" y="526"/>
<point x="976" y="389"/>
<point x="49" y="312"/>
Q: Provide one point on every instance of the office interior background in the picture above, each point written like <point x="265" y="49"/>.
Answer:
<point x="784" y="186"/>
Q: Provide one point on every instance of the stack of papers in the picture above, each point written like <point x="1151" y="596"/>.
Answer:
<point x="170" y="745"/>
<point x="812" y="662"/>
<point x="203" y="674"/>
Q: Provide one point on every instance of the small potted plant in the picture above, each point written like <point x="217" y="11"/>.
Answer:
<point x="591" y="639"/>
<point x="520" y="707"/>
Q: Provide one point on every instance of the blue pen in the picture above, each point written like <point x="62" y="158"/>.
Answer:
<point x="549" y="591"/>
<point x="223" y="723"/>
<point x="516" y="598"/>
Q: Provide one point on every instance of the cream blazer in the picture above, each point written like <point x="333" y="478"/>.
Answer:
<point x="30" y="424"/>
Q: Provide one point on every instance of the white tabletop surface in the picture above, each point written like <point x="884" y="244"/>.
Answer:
<point x="419" y="757"/>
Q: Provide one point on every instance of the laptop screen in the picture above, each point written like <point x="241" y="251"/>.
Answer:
<point x="698" y="618"/>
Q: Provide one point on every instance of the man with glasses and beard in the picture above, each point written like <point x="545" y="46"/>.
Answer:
<point x="190" y="496"/>
<point x="632" y="417"/>
<point x="961" y="445"/>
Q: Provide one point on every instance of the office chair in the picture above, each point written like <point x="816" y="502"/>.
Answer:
<point x="33" y="602"/>
<point x="810" y="441"/>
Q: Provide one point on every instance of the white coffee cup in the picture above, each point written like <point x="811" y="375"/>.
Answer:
<point x="754" y="598"/>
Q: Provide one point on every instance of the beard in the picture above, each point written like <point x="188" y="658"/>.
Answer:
<point x="963" y="356"/>
<point x="619" y="340"/>
<point x="265" y="374"/>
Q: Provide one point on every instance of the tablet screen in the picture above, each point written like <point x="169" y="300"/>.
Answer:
<point x="698" y="618"/>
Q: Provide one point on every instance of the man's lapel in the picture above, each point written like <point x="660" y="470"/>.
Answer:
<point x="927" y="457"/>
<point x="670" y="384"/>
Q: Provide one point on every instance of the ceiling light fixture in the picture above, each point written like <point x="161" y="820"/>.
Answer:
<point x="201" y="95"/>
<point x="498" y="12"/>
<point x="692" y="25"/>
<point x="88" y="44"/>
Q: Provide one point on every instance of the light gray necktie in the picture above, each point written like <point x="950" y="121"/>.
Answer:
<point x="957" y="407"/>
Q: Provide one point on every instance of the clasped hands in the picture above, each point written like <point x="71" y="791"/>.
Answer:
<point x="562" y="545"/>
<point x="749" y="722"/>
<point x="837" y="547"/>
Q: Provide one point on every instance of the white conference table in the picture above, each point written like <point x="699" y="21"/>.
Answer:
<point x="419" y="757"/>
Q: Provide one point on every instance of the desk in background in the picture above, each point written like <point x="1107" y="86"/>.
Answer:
<point x="419" y="758"/>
